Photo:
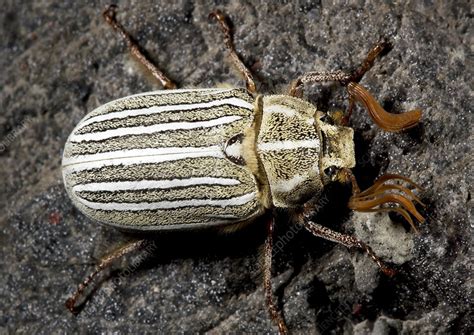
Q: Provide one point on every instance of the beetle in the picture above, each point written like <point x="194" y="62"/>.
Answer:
<point x="186" y="159"/>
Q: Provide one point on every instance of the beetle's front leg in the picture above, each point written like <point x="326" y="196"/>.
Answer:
<point x="357" y="93"/>
<point x="110" y="18"/>
<point x="296" y="88"/>
<point x="346" y="240"/>
<point x="267" y="278"/>
<point x="369" y="200"/>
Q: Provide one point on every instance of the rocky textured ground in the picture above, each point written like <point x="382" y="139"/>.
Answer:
<point x="59" y="60"/>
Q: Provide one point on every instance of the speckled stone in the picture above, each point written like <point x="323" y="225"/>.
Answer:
<point x="59" y="60"/>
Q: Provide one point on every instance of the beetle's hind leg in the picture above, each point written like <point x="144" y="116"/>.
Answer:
<point x="221" y="19"/>
<point x="110" y="17"/>
<point x="104" y="263"/>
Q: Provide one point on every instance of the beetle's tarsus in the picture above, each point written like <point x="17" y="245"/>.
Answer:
<point x="221" y="19"/>
<point x="109" y="15"/>
<point x="71" y="306"/>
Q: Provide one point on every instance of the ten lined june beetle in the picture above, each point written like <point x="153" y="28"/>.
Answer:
<point x="200" y="158"/>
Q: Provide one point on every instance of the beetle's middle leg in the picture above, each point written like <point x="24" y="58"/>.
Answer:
<point x="110" y="18"/>
<point x="267" y="278"/>
<point x="220" y="17"/>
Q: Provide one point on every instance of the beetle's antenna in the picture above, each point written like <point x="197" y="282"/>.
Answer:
<point x="105" y="262"/>
<point x="382" y="193"/>
<point x="220" y="17"/>
<point x="386" y="121"/>
<point x="110" y="17"/>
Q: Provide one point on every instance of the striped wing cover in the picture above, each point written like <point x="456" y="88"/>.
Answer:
<point x="155" y="161"/>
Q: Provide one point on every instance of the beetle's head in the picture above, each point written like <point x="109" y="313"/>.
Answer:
<point x="337" y="148"/>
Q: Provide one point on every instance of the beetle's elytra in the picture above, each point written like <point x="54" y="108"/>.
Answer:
<point x="201" y="158"/>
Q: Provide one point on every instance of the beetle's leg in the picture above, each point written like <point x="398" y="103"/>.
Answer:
<point x="357" y="93"/>
<point x="109" y="16"/>
<point x="382" y="46"/>
<point x="220" y="17"/>
<point x="385" y="120"/>
<point x="267" y="279"/>
<point x="296" y="88"/>
<point x="346" y="240"/>
<point x="104" y="263"/>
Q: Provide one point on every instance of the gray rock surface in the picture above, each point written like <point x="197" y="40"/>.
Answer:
<point x="59" y="60"/>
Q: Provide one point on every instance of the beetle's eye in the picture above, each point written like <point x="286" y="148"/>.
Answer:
<point x="330" y="171"/>
<point x="326" y="118"/>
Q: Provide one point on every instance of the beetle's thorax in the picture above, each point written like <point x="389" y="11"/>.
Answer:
<point x="288" y="146"/>
<point x="288" y="140"/>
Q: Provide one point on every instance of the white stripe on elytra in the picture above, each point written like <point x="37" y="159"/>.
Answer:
<point x="153" y="184"/>
<point x="141" y="206"/>
<point x="138" y="156"/>
<point x="237" y="102"/>
<point x="288" y="145"/>
<point x="203" y="91"/>
<point x="156" y="128"/>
